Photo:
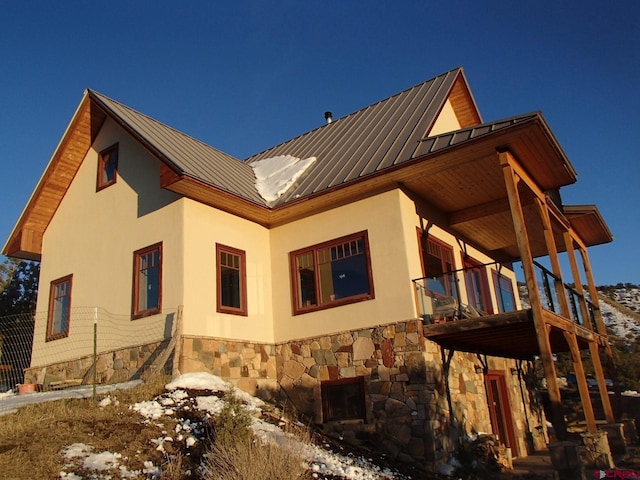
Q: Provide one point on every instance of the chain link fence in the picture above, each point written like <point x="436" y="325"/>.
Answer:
<point x="100" y="347"/>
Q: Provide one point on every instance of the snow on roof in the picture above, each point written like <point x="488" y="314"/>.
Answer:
<point x="275" y="175"/>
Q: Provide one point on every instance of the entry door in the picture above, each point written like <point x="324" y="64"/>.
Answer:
<point x="500" y="410"/>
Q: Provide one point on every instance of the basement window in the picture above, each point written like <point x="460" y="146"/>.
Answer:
<point x="107" y="167"/>
<point x="343" y="399"/>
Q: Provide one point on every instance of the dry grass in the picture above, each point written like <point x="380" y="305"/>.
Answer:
<point x="31" y="439"/>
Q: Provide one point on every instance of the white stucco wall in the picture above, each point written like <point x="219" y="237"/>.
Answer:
<point x="93" y="236"/>
<point x="203" y="228"/>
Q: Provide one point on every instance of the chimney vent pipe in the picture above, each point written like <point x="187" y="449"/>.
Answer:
<point x="328" y="117"/>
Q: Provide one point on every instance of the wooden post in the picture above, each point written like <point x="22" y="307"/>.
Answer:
<point x="583" y="388"/>
<point x="553" y="256"/>
<point x="577" y="280"/>
<point x="602" y="386"/>
<point x="177" y="352"/>
<point x="546" y="354"/>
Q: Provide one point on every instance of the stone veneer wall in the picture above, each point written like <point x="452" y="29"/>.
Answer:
<point x="112" y="367"/>
<point x="405" y="388"/>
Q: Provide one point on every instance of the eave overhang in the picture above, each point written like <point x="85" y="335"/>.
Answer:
<point x="456" y="174"/>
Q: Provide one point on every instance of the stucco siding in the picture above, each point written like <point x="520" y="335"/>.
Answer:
<point x="93" y="235"/>
<point x="381" y="217"/>
<point x="203" y="228"/>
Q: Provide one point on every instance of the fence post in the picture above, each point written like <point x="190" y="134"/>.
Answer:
<point x="95" y="351"/>
<point x="177" y="352"/>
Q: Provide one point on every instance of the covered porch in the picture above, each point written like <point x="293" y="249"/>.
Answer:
<point x="497" y="188"/>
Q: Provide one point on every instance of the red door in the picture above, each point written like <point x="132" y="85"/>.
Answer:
<point x="500" y="410"/>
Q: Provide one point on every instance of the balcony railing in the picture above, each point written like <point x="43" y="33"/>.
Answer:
<point x="439" y="297"/>
<point x="548" y="285"/>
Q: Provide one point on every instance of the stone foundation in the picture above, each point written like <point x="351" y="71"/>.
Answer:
<point x="112" y="367"/>
<point x="408" y="413"/>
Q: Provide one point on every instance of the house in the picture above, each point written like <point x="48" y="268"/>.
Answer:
<point x="363" y="270"/>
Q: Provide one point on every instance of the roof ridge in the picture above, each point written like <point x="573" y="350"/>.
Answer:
<point x="101" y="97"/>
<point x="355" y="112"/>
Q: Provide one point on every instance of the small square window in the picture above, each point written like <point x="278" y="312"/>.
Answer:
<point x="59" y="308"/>
<point x="107" y="167"/>
<point x="343" y="399"/>
<point x="147" y="281"/>
<point x="231" y="280"/>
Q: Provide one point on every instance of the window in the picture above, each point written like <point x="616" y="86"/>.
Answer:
<point x="332" y="273"/>
<point x="437" y="265"/>
<point x="107" y="167"/>
<point x="475" y="278"/>
<point x="59" y="308"/>
<point x="147" y="281"/>
<point x="343" y="399"/>
<point x="232" y="280"/>
<point x="504" y="291"/>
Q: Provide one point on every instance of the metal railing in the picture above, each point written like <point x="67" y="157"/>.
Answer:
<point x="548" y="285"/>
<point x="439" y="297"/>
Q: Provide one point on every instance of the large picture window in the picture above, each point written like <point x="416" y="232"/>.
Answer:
<point x="147" y="281"/>
<point x="332" y="273"/>
<point x="231" y="280"/>
<point x="107" y="167"/>
<point x="343" y="399"/>
<point x="59" y="308"/>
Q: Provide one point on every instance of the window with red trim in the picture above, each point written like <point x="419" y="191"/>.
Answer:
<point x="147" y="281"/>
<point x="107" y="167"/>
<point x="343" y="399"/>
<point x="59" y="308"/>
<point x="331" y="273"/>
<point x="231" y="280"/>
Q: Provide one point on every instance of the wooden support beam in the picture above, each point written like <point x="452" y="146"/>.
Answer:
<point x="511" y="177"/>
<point x="577" y="280"/>
<point x="543" y="210"/>
<point x="602" y="386"/>
<point x="581" y="378"/>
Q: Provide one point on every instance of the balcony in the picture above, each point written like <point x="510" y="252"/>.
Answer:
<point x="452" y="321"/>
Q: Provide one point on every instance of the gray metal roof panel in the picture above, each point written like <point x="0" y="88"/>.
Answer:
<point x="366" y="141"/>
<point x="190" y="156"/>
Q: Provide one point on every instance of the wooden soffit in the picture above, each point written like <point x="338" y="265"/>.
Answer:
<point x="25" y="240"/>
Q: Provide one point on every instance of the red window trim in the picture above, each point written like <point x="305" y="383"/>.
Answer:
<point x="297" y="309"/>
<point x="243" y="310"/>
<point x="99" y="183"/>
<point x="54" y="283"/>
<point x="135" y="313"/>
<point x="328" y="384"/>
<point x="468" y="264"/>
<point x="496" y="276"/>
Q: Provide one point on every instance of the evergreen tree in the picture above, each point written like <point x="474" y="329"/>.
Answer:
<point x="18" y="286"/>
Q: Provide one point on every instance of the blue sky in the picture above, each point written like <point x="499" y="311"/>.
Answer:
<point x="245" y="75"/>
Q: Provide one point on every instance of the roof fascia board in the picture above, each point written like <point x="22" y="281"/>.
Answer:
<point x="35" y="194"/>
<point x="134" y="133"/>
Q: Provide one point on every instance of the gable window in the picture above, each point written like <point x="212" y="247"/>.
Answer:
<point x="147" y="281"/>
<point x="59" y="308"/>
<point x="343" y="399"/>
<point x="231" y="280"/>
<point x="331" y="273"/>
<point x="107" y="167"/>
<point x="504" y="291"/>
<point x="475" y="278"/>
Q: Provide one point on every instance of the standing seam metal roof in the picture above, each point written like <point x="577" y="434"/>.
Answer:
<point x="367" y="141"/>
<point x="190" y="156"/>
